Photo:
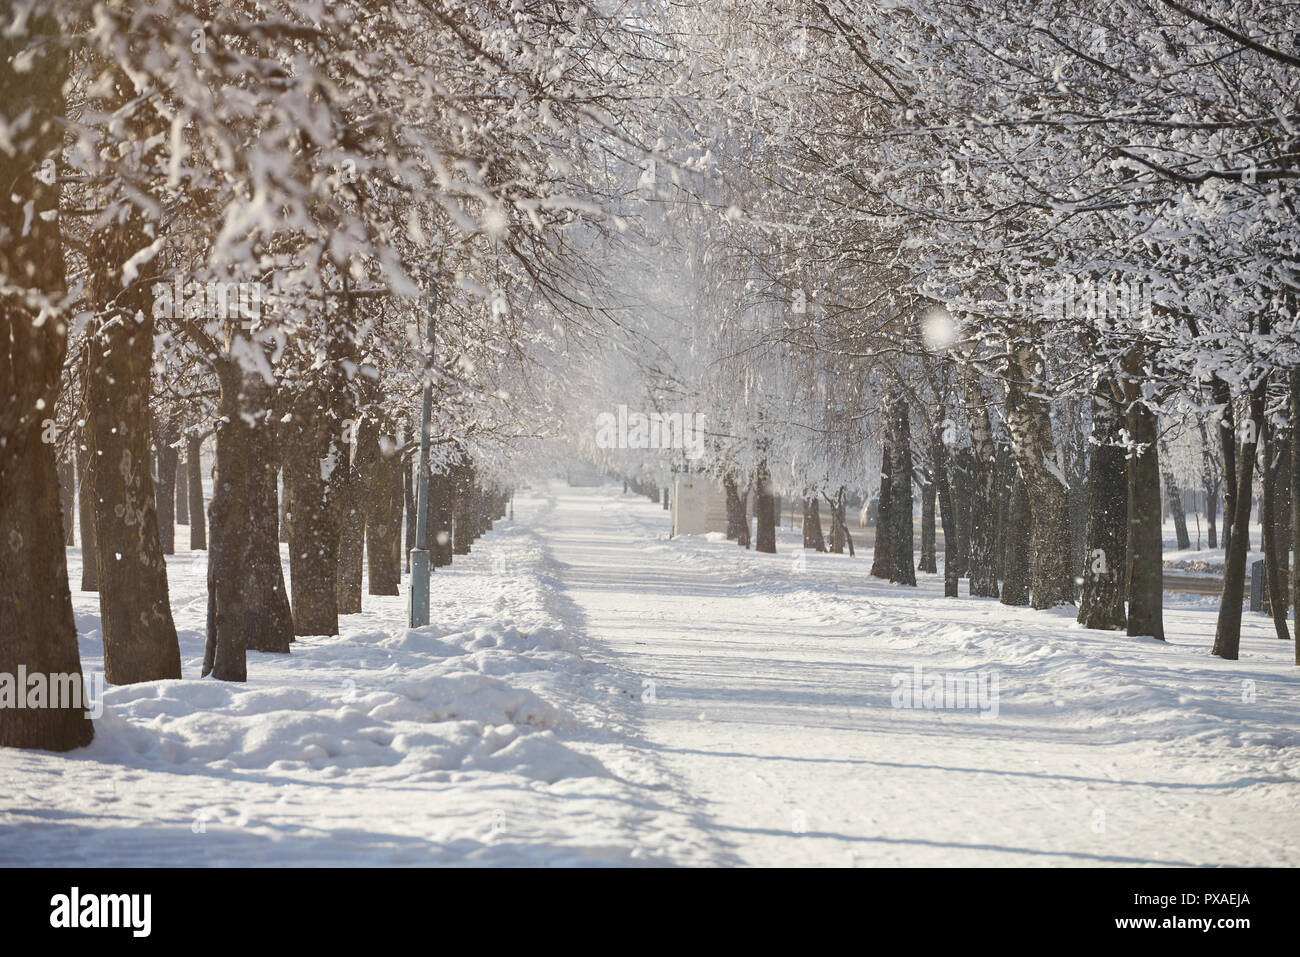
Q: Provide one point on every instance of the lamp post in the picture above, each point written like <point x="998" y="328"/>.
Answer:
<point x="419" y="610"/>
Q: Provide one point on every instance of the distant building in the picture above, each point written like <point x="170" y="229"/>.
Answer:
<point x="699" y="505"/>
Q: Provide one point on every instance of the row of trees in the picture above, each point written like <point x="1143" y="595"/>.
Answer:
<point x="267" y="226"/>
<point x="1006" y="254"/>
<point x="1009" y="254"/>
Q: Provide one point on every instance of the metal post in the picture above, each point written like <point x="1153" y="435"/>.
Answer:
<point x="419" y="610"/>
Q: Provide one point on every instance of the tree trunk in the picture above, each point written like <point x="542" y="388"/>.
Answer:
<point x="812" y="525"/>
<point x="1294" y="390"/>
<point x="1174" y="506"/>
<point x="286" y="508"/>
<point x="984" y="477"/>
<point x="1039" y="461"/>
<point x="765" y="511"/>
<point x="1144" y="547"/>
<point x="68" y="497"/>
<point x="947" y="512"/>
<point x="737" y="522"/>
<point x="182" y="500"/>
<point x="462" y="484"/>
<point x="1227" y="636"/>
<point x="352" y="535"/>
<point x="248" y="605"/>
<point x="382" y="474"/>
<point x="37" y="628"/>
<point x="139" y="635"/>
<point x="165" y="490"/>
<point x="1016" y="567"/>
<point x="194" y="473"/>
<point x="962" y="494"/>
<point x="1210" y="485"/>
<point x="409" y="479"/>
<point x="1078" y="499"/>
<point x="313" y="475"/>
<point x="1007" y="478"/>
<point x="440" y="521"/>
<point x="902" y="558"/>
<point x="1227" y="447"/>
<point x="880" y="560"/>
<point x="1275" y="600"/>
<point x="837" y="527"/>
<point x="86" y="518"/>
<point x="929" y="551"/>
<point x="1104" y="588"/>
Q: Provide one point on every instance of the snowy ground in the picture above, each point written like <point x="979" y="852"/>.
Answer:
<point x="773" y="703"/>
<point x="593" y="692"/>
<point x="487" y="738"/>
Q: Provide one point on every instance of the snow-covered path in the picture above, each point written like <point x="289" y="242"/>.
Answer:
<point x="594" y="693"/>
<point x="767" y="693"/>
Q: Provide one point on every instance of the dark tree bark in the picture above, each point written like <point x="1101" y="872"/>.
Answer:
<point x="963" y="484"/>
<point x="440" y="521"/>
<point x="837" y="537"/>
<point x="812" y="525"/>
<point x="737" y="522"/>
<point x="313" y="468"/>
<point x="165" y="489"/>
<point x="248" y="605"/>
<point x="1041" y="467"/>
<point x="352" y="534"/>
<point x="182" y="500"/>
<point x="902" y="558"/>
<point x="462" y="508"/>
<point x="1228" y="450"/>
<point x="409" y="480"/>
<point x="68" y="497"/>
<point x="86" y="518"/>
<point x="1145" y="549"/>
<point x="765" y="511"/>
<point x="929" y="555"/>
<point x="981" y="565"/>
<point x="1293" y="383"/>
<point x="1275" y="601"/>
<point x="1006" y="491"/>
<point x="1104" y="586"/>
<point x="140" y="642"/>
<point x="286" y="508"/>
<point x="194" y="475"/>
<point x="1210" y="486"/>
<point x="37" y="628"/>
<point x="948" y="514"/>
<point x="837" y="526"/>
<point x="840" y="536"/>
<point x="1174" y="506"/>
<point x="1227" y="636"/>
<point x="1016" y="566"/>
<point x="1078" y="499"/>
<point x="382" y="472"/>
<point x="881" y="563"/>
<point x="1282" y="513"/>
